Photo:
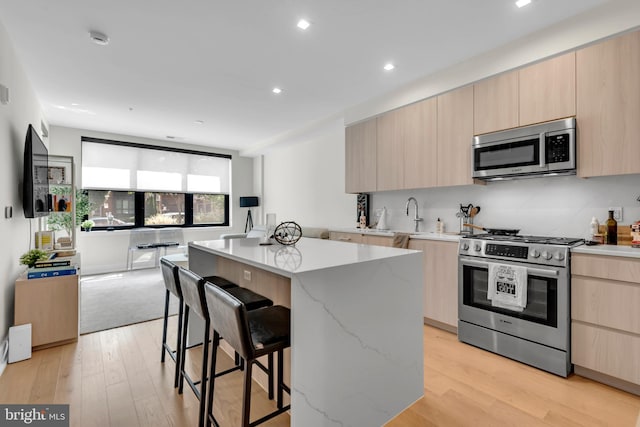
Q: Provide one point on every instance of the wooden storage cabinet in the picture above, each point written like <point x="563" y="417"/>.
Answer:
<point x="390" y="147"/>
<point x="455" y="134"/>
<point x="495" y="103"/>
<point x="360" y="157"/>
<point x="51" y="306"/>
<point x="419" y="135"/>
<point x="547" y="90"/>
<point x="440" y="281"/>
<point x="605" y="335"/>
<point x="608" y="107"/>
<point x="361" y="238"/>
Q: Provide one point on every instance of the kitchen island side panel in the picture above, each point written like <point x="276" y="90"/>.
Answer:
<point x="357" y="346"/>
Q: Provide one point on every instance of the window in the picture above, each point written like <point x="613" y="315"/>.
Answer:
<point x="134" y="185"/>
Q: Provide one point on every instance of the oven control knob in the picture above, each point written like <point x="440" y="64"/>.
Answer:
<point x="559" y="256"/>
<point x="477" y="247"/>
<point x="546" y="255"/>
<point x="534" y="253"/>
<point x="464" y="246"/>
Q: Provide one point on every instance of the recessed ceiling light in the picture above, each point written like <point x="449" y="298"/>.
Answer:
<point x="303" y="24"/>
<point x="199" y="122"/>
<point x="522" y="3"/>
<point x="389" y="66"/>
<point x="99" y="38"/>
<point x="276" y="90"/>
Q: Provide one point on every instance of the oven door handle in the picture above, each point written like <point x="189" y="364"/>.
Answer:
<point x="535" y="271"/>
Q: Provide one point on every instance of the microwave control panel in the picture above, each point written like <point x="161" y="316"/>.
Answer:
<point x="557" y="148"/>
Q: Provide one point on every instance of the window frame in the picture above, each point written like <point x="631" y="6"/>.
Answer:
<point x="139" y="213"/>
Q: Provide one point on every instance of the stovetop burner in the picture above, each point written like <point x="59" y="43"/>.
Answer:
<point x="564" y="241"/>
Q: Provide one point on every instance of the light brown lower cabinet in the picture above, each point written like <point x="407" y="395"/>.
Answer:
<point x="605" y="320"/>
<point x="440" y="282"/>
<point x="366" y="239"/>
<point x="51" y="306"/>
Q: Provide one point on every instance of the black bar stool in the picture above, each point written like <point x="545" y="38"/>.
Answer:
<point x="172" y="283"/>
<point x="252" y="334"/>
<point x="192" y="286"/>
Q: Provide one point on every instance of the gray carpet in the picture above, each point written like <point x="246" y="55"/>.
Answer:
<point x="118" y="299"/>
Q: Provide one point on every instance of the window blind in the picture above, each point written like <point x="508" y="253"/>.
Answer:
<point x="117" y="166"/>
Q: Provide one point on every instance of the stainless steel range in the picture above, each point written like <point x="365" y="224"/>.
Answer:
<point x="534" y="329"/>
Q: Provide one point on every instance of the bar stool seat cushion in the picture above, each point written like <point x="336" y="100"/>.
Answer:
<point x="270" y="326"/>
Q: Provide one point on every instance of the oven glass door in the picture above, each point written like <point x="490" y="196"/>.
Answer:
<point x="542" y="296"/>
<point x="507" y="155"/>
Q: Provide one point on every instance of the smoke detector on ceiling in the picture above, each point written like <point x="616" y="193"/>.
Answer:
<point x="99" y="38"/>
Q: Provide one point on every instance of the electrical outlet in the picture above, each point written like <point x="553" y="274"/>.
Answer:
<point x="617" y="213"/>
<point x="247" y="275"/>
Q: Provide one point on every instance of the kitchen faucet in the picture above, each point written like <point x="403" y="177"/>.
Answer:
<point x="416" y="219"/>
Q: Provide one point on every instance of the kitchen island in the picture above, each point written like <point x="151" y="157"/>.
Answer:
<point x="356" y="320"/>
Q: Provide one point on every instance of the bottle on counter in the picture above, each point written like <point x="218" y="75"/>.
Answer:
<point x="439" y="226"/>
<point x="363" y="220"/>
<point x="595" y="228"/>
<point x="612" y="230"/>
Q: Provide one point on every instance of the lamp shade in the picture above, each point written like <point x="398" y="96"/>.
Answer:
<point x="249" y="202"/>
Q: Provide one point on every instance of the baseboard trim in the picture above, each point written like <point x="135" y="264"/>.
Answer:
<point x="607" y="379"/>
<point x="441" y="325"/>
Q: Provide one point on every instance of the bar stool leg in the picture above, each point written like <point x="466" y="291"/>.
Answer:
<point x="183" y="348"/>
<point x="203" y="378"/>
<point x="270" y="375"/>
<point x="246" y="402"/>
<point x="280" y="377"/>
<point x="178" y="344"/>
<point x="212" y="378"/>
<point x="164" y="325"/>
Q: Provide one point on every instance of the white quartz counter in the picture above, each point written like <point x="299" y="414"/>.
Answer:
<point x="609" y="250"/>
<point x="307" y="255"/>
<point x="424" y="235"/>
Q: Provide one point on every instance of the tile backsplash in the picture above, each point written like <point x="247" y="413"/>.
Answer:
<point x="551" y="206"/>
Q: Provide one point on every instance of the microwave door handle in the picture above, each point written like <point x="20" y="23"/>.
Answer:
<point x="543" y="149"/>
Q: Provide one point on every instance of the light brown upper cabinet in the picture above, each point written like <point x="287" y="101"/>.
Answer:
<point x="407" y="147"/>
<point x="548" y="90"/>
<point x="538" y="93"/>
<point x="495" y="103"/>
<point x="360" y="157"/>
<point x="455" y="134"/>
<point x="419" y="133"/>
<point x="390" y="174"/>
<point x="608" y="107"/>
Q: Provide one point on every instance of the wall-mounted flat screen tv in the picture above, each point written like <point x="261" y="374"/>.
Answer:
<point x="35" y="187"/>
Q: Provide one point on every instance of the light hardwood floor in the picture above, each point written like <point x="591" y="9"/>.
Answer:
<point x="115" y="378"/>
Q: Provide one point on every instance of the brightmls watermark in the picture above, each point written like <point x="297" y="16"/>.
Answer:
<point x="34" y="415"/>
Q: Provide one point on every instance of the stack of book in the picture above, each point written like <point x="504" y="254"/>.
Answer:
<point x="52" y="268"/>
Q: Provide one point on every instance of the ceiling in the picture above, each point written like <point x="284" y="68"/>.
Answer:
<point x="170" y="64"/>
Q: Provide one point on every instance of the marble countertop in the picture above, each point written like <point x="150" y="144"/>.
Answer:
<point x="609" y="250"/>
<point x="307" y="255"/>
<point x="424" y="235"/>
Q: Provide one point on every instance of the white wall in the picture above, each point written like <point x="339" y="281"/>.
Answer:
<point x="105" y="251"/>
<point x="16" y="232"/>
<point x="306" y="182"/>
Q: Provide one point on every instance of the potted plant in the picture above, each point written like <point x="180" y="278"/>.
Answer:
<point x="34" y="255"/>
<point x="87" y="224"/>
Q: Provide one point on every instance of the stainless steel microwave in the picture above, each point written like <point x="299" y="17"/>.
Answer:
<point x="543" y="149"/>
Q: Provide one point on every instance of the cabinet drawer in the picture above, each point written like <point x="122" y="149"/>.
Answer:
<point x="612" y="353"/>
<point x="345" y="237"/>
<point x="606" y="303"/>
<point x="606" y="267"/>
